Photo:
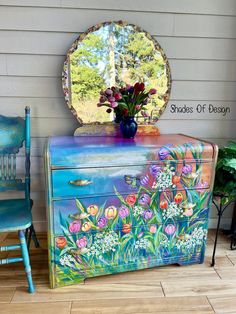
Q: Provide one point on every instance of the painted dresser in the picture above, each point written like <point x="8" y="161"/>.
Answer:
<point x="117" y="205"/>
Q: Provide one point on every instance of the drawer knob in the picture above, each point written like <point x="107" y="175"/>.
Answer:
<point x="80" y="182"/>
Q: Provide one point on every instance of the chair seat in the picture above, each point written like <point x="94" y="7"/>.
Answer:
<point x="14" y="215"/>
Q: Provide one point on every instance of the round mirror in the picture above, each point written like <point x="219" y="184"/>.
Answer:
<point x="114" y="54"/>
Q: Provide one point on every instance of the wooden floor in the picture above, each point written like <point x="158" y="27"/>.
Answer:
<point x="171" y="289"/>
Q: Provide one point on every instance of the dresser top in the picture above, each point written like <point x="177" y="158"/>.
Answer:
<point x="93" y="151"/>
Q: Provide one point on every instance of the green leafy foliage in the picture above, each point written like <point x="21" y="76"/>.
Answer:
<point x="225" y="179"/>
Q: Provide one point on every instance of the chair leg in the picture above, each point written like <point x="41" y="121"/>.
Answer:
<point x="28" y="236"/>
<point x="32" y="234"/>
<point x="26" y="260"/>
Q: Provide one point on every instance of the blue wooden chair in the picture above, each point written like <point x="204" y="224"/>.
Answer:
<point x="15" y="214"/>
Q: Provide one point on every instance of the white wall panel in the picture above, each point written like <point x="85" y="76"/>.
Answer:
<point x="55" y="43"/>
<point x="51" y="87"/>
<point x="57" y="108"/>
<point x="68" y="20"/>
<point x="198" y="37"/>
<point x="181" y="69"/>
<point x="217" y="7"/>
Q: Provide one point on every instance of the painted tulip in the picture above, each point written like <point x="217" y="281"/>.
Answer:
<point x="170" y="229"/>
<point x="131" y="199"/>
<point x="86" y="226"/>
<point x="138" y="107"/>
<point x="108" y="91"/>
<point x="125" y="112"/>
<point x="92" y="210"/>
<point x="163" y="204"/>
<point x="130" y="89"/>
<point x="187" y="169"/>
<point x="154" y="170"/>
<point x="176" y="179"/>
<point x="75" y="226"/>
<point x="178" y="198"/>
<point x="152" y="91"/>
<point x="111" y="212"/>
<point x="111" y="99"/>
<point x="102" y="222"/>
<point x="61" y="242"/>
<point x="147" y="214"/>
<point x="123" y="212"/>
<point x="144" y="180"/>
<point x="139" y="87"/>
<point x="163" y="153"/>
<point x="126" y="228"/>
<point x="114" y="104"/>
<point x="82" y="242"/>
<point x="118" y="96"/>
<point x="153" y="228"/>
<point x="144" y="199"/>
<point x="102" y="99"/>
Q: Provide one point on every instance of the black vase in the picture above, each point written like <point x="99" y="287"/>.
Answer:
<point x="128" y="127"/>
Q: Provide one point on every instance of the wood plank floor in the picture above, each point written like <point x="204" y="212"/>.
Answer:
<point x="171" y="289"/>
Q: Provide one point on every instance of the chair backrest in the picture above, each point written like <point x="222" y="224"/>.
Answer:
<point x="14" y="131"/>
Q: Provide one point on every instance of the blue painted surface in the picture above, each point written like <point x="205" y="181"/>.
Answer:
<point x="25" y="256"/>
<point x="15" y="214"/>
<point x="68" y="151"/>
<point x="146" y="204"/>
<point x="12" y="134"/>
<point x="100" y="181"/>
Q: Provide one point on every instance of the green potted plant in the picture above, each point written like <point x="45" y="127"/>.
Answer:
<point x="225" y="178"/>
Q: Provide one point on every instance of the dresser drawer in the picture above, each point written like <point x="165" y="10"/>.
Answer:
<point x="124" y="212"/>
<point x="97" y="181"/>
<point x="93" y="181"/>
<point x="85" y="255"/>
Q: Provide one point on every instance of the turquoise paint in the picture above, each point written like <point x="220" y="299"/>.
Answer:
<point x="11" y="260"/>
<point x="10" y="248"/>
<point x="12" y="132"/>
<point x="147" y="204"/>
<point x="25" y="256"/>
<point x="15" y="214"/>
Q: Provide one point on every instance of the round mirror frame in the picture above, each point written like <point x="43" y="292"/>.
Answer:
<point x="81" y="37"/>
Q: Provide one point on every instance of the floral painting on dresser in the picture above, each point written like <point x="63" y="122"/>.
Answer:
<point x="161" y="219"/>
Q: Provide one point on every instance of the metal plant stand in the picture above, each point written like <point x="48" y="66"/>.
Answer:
<point x="220" y="210"/>
<point x="233" y="230"/>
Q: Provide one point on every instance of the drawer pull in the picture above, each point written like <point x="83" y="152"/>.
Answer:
<point x="80" y="182"/>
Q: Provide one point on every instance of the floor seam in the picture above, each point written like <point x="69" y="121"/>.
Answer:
<point x="162" y="289"/>
<point x="210" y="304"/>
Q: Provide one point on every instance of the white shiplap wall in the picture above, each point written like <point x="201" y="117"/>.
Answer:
<point x="199" y="38"/>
